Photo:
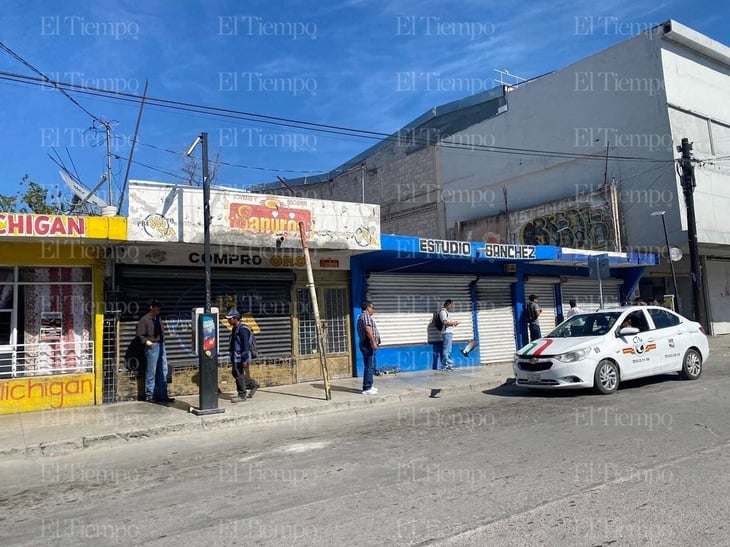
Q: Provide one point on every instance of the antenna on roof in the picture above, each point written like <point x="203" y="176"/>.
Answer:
<point x="283" y="181"/>
<point x="504" y="73"/>
<point x="84" y="196"/>
<point x="131" y="151"/>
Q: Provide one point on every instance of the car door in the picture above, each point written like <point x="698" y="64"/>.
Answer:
<point x="638" y="351"/>
<point x="671" y="338"/>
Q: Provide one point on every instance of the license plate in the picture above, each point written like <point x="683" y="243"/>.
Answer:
<point x="533" y="378"/>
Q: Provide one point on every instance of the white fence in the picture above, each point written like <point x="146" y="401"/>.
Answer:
<point x="47" y="359"/>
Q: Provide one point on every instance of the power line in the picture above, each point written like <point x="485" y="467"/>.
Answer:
<point x="228" y="164"/>
<point x="153" y="168"/>
<point x="317" y="127"/>
<point x="48" y="80"/>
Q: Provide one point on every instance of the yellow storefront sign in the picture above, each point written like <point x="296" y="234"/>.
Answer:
<point x="46" y="392"/>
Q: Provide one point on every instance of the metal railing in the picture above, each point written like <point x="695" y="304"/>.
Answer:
<point x="47" y="359"/>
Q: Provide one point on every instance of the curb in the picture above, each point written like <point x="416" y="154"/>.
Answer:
<point x="209" y="423"/>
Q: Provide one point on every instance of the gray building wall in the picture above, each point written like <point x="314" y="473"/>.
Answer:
<point x="614" y="117"/>
<point x="402" y="178"/>
<point x="612" y="101"/>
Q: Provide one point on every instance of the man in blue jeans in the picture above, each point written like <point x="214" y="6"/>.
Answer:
<point x="369" y="337"/>
<point x="533" y="312"/>
<point x="447" y="332"/>
<point x="151" y="335"/>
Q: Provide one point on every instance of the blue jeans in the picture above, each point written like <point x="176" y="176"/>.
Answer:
<point x="368" y="356"/>
<point x="155" y="379"/>
<point x="534" y="331"/>
<point x="446" y="360"/>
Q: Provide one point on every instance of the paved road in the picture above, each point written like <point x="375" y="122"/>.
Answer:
<point x="646" y="466"/>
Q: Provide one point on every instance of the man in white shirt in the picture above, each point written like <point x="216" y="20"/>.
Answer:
<point x="574" y="309"/>
<point x="447" y="331"/>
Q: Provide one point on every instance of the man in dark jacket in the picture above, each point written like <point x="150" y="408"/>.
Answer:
<point x="241" y="352"/>
<point x="151" y="335"/>
<point x="533" y="311"/>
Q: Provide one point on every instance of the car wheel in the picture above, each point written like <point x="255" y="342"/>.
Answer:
<point x="691" y="365"/>
<point x="605" y="379"/>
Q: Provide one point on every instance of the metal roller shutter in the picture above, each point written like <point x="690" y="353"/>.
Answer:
<point x="587" y="295"/>
<point x="495" y="320"/>
<point x="545" y="291"/>
<point x="718" y="285"/>
<point x="405" y="304"/>
<point x="265" y="295"/>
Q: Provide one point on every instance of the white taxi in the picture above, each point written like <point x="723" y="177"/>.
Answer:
<point x="601" y="349"/>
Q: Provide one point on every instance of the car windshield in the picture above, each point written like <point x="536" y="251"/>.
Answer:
<point x="586" y="324"/>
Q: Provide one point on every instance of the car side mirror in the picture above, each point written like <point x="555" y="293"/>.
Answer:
<point x="627" y="331"/>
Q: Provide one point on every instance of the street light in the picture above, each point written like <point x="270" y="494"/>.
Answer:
<point x="203" y="139"/>
<point x="669" y="254"/>
<point x="207" y="327"/>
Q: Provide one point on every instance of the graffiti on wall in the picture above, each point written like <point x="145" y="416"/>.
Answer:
<point x="580" y="227"/>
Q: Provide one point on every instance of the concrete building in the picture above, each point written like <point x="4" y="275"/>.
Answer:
<point x="580" y="157"/>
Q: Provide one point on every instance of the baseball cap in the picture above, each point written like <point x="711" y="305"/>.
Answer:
<point x="233" y="314"/>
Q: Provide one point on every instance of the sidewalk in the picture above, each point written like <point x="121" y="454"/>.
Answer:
<point x="61" y="431"/>
<point x="65" y="430"/>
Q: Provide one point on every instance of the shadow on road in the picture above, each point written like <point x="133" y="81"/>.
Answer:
<point x="509" y="389"/>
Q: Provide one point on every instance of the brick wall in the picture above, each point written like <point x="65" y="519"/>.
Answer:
<point x="185" y="382"/>
<point x="403" y="181"/>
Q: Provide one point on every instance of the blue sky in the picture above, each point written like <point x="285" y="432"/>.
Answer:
<point x="361" y="64"/>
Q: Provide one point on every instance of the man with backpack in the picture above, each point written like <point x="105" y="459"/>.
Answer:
<point x="242" y="349"/>
<point x="533" y="312"/>
<point x="446" y="325"/>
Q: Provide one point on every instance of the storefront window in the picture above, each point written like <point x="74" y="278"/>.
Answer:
<point x="336" y="318"/>
<point x="333" y="311"/>
<point x="6" y="318"/>
<point x="307" y="326"/>
<point x="48" y="331"/>
<point x="6" y="304"/>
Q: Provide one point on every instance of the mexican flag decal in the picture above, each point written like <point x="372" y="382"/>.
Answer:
<point x="537" y="347"/>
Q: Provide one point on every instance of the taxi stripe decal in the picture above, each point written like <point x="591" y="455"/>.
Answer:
<point x="531" y="350"/>
<point x="544" y="347"/>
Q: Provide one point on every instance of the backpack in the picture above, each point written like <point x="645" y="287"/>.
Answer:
<point x="530" y="311"/>
<point x="251" y="341"/>
<point x="437" y="323"/>
<point x="134" y="358"/>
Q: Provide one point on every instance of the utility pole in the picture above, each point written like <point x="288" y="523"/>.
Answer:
<point x="688" y="187"/>
<point x="108" y="127"/>
<point x="321" y="346"/>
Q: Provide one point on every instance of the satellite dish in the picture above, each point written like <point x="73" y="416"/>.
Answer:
<point x="676" y="254"/>
<point x="84" y="194"/>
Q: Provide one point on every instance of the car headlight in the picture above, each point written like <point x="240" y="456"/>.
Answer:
<point x="573" y="356"/>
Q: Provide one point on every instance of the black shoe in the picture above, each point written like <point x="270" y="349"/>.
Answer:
<point x="168" y="400"/>
<point x="252" y="391"/>
<point x="151" y="400"/>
